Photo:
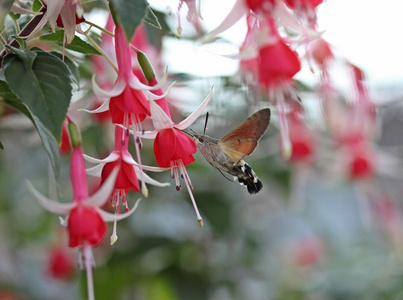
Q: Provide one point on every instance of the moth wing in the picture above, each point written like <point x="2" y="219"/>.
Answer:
<point x="237" y="149"/>
<point x="243" y="140"/>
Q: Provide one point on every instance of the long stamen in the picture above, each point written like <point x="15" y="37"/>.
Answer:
<point x="186" y="179"/>
<point x="136" y="137"/>
<point x="88" y="262"/>
<point x="176" y="175"/>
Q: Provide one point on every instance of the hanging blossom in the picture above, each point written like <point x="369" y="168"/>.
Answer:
<point x="127" y="176"/>
<point x="302" y="139"/>
<point x="277" y="65"/>
<point x="173" y="149"/>
<point x="126" y="100"/>
<point x="66" y="14"/>
<point x="85" y="221"/>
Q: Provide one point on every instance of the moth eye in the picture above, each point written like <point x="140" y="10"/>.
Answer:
<point x="201" y="140"/>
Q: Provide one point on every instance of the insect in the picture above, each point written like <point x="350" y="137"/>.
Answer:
<point x="226" y="154"/>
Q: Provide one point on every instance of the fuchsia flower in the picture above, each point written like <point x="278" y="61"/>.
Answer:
<point x="128" y="171"/>
<point x="85" y="220"/>
<point x="302" y="4"/>
<point x="63" y="13"/>
<point x="61" y="263"/>
<point x="302" y="139"/>
<point x="173" y="149"/>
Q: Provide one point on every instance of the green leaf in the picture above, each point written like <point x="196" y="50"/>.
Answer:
<point x="5" y="6"/>
<point x="27" y="57"/>
<point x="1" y="146"/>
<point x="36" y="5"/>
<point x="75" y="74"/>
<point x="151" y="18"/>
<point x="48" y="140"/>
<point x="128" y="14"/>
<point x="45" y="88"/>
<point x="77" y="44"/>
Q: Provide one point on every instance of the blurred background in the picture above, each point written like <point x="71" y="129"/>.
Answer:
<point x="323" y="227"/>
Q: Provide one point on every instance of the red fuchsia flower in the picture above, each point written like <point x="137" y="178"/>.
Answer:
<point x="321" y="52"/>
<point x="126" y="101"/>
<point x="128" y="172"/>
<point x="63" y="13"/>
<point x="61" y="263"/>
<point x="85" y="220"/>
<point x="309" y="251"/>
<point x="360" y="160"/>
<point x="302" y="139"/>
<point x="173" y="149"/>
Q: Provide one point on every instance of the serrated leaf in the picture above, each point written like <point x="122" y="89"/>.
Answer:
<point x="75" y="74"/>
<point x="45" y="88"/>
<point x="151" y="18"/>
<point x="5" y="6"/>
<point x="128" y="14"/>
<point x="48" y="140"/>
<point x="77" y="44"/>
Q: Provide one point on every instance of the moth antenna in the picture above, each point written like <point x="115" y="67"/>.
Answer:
<point x="205" y="124"/>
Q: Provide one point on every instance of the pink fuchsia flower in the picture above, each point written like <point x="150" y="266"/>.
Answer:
<point x="172" y="148"/>
<point x="65" y="146"/>
<point x="85" y="219"/>
<point x="63" y="13"/>
<point x="360" y="158"/>
<point x="129" y="169"/>
<point x="302" y="139"/>
<point x="61" y="263"/>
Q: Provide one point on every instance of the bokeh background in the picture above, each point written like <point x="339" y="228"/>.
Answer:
<point x="313" y="232"/>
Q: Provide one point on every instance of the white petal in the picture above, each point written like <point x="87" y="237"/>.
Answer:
<point x="194" y="115"/>
<point x="117" y="89"/>
<point x="48" y="204"/>
<point x="153" y="96"/>
<point x="53" y="10"/>
<point x="102" y="108"/>
<point x="108" y="217"/>
<point x="160" y="119"/>
<point x="129" y="159"/>
<point x="147" y="179"/>
<point x="22" y="11"/>
<point x="234" y="15"/>
<point x="135" y="83"/>
<point x="95" y="171"/>
<point x="111" y="157"/>
<point x="104" y="192"/>
<point x="68" y="16"/>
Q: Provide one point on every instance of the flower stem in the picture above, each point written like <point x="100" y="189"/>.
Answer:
<point x="100" y="28"/>
<point x="88" y="269"/>
<point x="96" y="46"/>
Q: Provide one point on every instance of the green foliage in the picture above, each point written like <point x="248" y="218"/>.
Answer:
<point x="40" y="87"/>
<point x="129" y="14"/>
<point x="5" y="6"/>
<point x="77" y="44"/>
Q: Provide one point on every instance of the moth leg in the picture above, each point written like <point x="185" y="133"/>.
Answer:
<point x="224" y="175"/>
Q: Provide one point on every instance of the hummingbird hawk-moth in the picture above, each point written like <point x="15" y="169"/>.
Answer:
<point x="226" y="154"/>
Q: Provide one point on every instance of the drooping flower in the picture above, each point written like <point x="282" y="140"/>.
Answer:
<point x="85" y="221"/>
<point x="63" y="13"/>
<point x="173" y="149"/>
<point x="128" y="172"/>
<point x="126" y="101"/>
<point x="61" y="263"/>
